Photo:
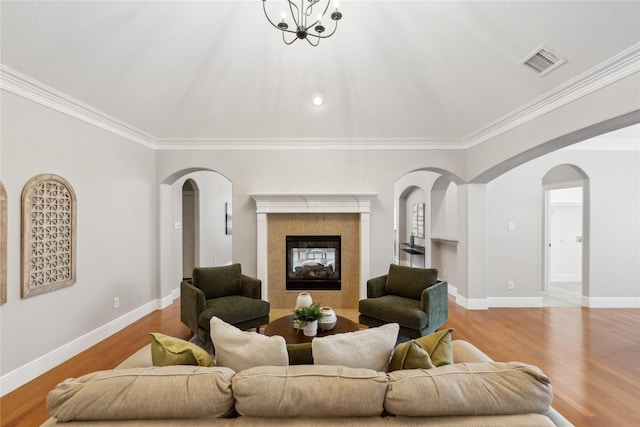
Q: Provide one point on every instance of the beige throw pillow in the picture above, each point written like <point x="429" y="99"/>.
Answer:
<point x="238" y="350"/>
<point x="368" y="348"/>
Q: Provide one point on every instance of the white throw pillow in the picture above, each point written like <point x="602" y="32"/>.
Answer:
<point x="369" y="348"/>
<point x="238" y="350"/>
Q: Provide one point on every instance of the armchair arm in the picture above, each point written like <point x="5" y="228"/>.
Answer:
<point x="251" y="287"/>
<point x="434" y="301"/>
<point x="192" y="303"/>
<point x="375" y="286"/>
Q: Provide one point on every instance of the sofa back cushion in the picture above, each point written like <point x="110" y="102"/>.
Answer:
<point x="309" y="391"/>
<point x="218" y="282"/>
<point x="170" y="392"/>
<point x="409" y="282"/>
<point x="483" y="388"/>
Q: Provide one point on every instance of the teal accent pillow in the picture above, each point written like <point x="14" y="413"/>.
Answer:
<point x="409" y="282"/>
<point x="218" y="282"/>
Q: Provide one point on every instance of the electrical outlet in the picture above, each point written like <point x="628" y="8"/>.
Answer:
<point x="445" y="272"/>
<point x="510" y="285"/>
<point x="116" y="302"/>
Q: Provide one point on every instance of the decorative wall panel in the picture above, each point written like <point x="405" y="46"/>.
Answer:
<point x="3" y="244"/>
<point x="48" y="235"/>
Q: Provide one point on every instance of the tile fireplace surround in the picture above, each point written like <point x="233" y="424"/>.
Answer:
<point x="342" y="214"/>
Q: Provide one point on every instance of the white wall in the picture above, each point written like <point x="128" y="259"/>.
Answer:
<point x="114" y="183"/>
<point x="310" y="171"/>
<point x="614" y="199"/>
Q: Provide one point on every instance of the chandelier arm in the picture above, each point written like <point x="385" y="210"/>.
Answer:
<point x="298" y="12"/>
<point x="285" y="40"/>
<point x="324" y="36"/>
<point x="324" y="12"/>
<point x="275" y="25"/>
<point x="311" y="43"/>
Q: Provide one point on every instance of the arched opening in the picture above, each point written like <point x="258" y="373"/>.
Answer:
<point x="190" y="223"/>
<point x="444" y="228"/>
<point x="565" y="192"/>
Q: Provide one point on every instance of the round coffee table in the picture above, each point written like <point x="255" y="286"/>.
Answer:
<point x="284" y="327"/>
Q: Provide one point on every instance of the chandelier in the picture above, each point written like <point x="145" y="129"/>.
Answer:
<point x="307" y="23"/>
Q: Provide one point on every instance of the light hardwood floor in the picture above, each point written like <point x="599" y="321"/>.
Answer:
<point x="591" y="355"/>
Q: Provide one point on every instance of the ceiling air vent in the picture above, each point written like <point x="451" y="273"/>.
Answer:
<point x="543" y="61"/>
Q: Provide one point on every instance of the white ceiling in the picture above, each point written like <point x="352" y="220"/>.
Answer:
<point x="402" y="71"/>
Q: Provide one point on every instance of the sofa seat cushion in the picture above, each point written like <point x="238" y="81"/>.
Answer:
<point x="309" y="391"/>
<point x="393" y="308"/>
<point x="233" y="309"/>
<point x="409" y="282"/>
<point x="144" y="393"/>
<point x="484" y="388"/>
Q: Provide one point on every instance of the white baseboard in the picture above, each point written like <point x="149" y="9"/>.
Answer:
<point x="611" y="302"/>
<point x="22" y="375"/>
<point x="520" y="302"/>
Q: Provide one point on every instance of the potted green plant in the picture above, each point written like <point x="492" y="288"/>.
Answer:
<point x="307" y="318"/>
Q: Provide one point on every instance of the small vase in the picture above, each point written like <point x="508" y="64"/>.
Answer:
<point x="328" y="320"/>
<point x="310" y="329"/>
<point x="303" y="300"/>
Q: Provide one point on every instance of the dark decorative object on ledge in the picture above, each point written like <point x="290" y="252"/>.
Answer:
<point x="313" y="263"/>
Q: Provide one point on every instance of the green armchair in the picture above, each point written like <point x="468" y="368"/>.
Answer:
<point x="223" y="292"/>
<point x="412" y="297"/>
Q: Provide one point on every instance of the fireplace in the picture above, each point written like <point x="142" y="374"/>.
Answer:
<point x="313" y="263"/>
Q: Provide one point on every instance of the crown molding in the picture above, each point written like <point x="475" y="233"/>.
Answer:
<point x="616" y="68"/>
<point x="302" y="144"/>
<point x="620" y="66"/>
<point x="26" y="87"/>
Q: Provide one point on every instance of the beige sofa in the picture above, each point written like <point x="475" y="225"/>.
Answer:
<point x="474" y="391"/>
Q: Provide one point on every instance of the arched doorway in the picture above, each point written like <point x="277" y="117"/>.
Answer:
<point x="564" y="190"/>
<point x="190" y="221"/>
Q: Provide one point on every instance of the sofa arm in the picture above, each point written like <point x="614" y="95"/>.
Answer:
<point x="434" y="301"/>
<point x="192" y="303"/>
<point x="375" y="287"/>
<point x="251" y="287"/>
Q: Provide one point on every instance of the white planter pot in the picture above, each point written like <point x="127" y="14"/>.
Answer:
<point x="310" y="329"/>
<point x="328" y="320"/>
<point x="303" y="300"/>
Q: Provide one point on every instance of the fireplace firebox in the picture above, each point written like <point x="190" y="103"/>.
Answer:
<point x="313" y="263"/>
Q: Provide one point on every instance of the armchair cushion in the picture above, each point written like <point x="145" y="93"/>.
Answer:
<point x="217" y="282"/>
<point x="235" y="309"/>
<point x="409" y="282"/>
<point x="392" y="308"/>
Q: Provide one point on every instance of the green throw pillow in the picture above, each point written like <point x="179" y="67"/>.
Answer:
<point x="167" y="351"/>
<point x="425" y="352"/>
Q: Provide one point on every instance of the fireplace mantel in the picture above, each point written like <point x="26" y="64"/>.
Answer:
<point x="313" y="203"/>
<point x="270" y="203"/>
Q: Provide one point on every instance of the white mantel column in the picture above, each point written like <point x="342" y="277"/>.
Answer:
<point x="261" y="262"/>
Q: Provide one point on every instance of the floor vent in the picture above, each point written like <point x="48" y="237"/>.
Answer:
<point x="543" y="61"/>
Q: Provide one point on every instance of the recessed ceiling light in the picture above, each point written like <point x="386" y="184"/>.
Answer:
<point x="317" y="100"/>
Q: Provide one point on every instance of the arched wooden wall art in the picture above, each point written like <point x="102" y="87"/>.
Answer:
<point x="48" y="235"/>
